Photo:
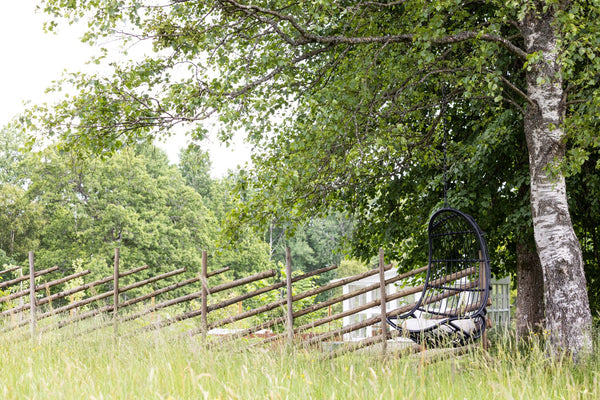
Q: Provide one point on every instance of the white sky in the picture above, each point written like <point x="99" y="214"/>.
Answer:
<point x="31" y="60"/>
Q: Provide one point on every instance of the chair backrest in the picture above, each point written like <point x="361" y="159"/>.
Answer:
<point x="458" y="278"/>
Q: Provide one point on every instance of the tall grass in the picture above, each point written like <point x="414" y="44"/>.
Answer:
<point x="156" y="366"/>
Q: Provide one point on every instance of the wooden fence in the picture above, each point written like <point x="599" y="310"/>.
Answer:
<point x="265" y="327"/>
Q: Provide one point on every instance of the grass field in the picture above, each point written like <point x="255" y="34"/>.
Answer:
<point x="60" y="366"/>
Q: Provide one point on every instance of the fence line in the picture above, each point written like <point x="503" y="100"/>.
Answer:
<point x="69" y="292"/>
<point x="196" y="295"/>
<point x="286" y="320"/>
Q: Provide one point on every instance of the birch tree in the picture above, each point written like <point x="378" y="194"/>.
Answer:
<point x="374" y="67"/>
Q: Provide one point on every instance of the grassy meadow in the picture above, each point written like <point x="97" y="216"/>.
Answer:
<point x="156" y="366"/>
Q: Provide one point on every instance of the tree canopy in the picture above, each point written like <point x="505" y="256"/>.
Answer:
<point x="357" y="86"/>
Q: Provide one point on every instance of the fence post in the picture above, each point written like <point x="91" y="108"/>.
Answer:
<point x="290" y="309"/>
<point x="204" y="305"/>
<point x="152" y="305"/>
<point x="383" y="303"/>
<point x="32" y="300"/>
<point x="21" y="300"/>
<point x="116" y="293"/>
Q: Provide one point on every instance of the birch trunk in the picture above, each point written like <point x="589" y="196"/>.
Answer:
<point x="568" y="317"/>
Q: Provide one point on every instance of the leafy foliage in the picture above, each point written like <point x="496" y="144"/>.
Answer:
<point x="345" y="107"/>
<point x="342" y="101"/>
<point x="133" y="200"/>
<point x="194" y="164"/>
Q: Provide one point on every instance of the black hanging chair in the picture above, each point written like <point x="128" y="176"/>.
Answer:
<point x="452" y="306"/>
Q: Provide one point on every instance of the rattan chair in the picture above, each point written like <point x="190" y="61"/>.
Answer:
<point x="452" y="307"/>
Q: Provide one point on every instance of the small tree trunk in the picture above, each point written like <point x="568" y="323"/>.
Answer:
<point x="530" y="290"/>
<point x="568" y="317"/>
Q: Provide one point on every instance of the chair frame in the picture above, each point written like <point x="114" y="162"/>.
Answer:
<point x="457" y="285"/>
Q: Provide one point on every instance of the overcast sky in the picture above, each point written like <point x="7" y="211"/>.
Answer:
<point x="31" y="60"/>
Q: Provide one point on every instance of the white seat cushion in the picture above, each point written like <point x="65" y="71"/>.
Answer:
<point x="467" y="325"/>
<point x="419" y="324"/>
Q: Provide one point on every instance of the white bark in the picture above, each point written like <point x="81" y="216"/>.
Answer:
<point x="568" y="317"/>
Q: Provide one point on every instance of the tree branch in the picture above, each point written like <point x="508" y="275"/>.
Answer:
<point x="379" y="4"/>
<point x="276" y="71"/>
<point x="513" y="87"/>
<point x="308" y="37"/>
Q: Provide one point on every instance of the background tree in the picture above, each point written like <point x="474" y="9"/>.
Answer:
<point x="21" y="217"/>
<point x="133" y="200"/>
<point x="12" y="140"/>
<point x="20" y="221"/>
<point x="317" y="243"/>
<point x="195" y="165"/>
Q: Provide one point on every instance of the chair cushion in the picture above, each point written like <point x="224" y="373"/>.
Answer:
<point x="419" y="324"/>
